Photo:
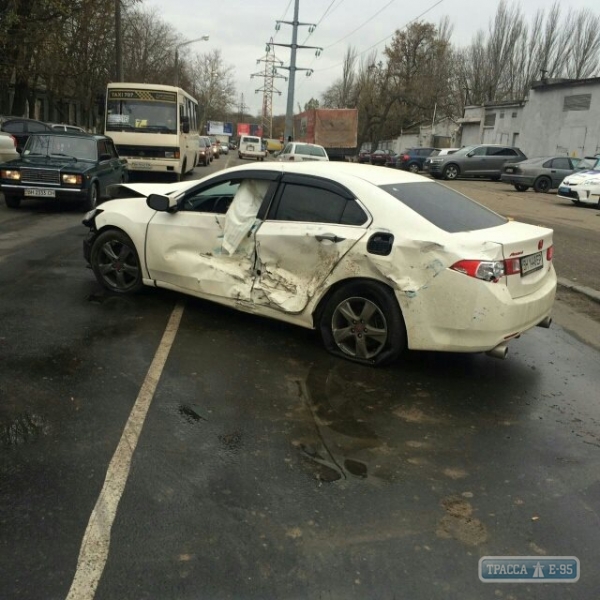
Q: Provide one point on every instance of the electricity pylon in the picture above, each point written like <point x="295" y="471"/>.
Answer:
<point x="268" y="89"/>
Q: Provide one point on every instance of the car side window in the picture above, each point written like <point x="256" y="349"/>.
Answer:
<point x="214" y="199"/>
<point x="102" y="149"/>
<point x="36" y="127"/>
<point x="112" y="150"/>
<point x="14" y="127"/>
<point x="481" y="151"/>
<point x="287" y="149"/>
<point x="307" y="204"/>
<point x="501" y="152"/>
<point x="353" y="214"/>
<point x="561" y="163"/>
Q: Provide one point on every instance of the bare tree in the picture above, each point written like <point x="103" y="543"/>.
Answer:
<point x="211" y="82"/>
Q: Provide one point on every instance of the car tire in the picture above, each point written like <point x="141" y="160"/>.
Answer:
<point x="91" y="201"/>
<point x="451" y="172"/>
<point x="542" y="185"/>
<point x="379" y="309"/>
<point x="12" y="201"/>
<point x="115" y="262"/>
<point x="520" y="187"/>
<point x="413" y="167"/>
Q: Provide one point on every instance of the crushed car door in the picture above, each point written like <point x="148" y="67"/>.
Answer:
<point x="204" y="247"/>
<point x="311" y="225"/>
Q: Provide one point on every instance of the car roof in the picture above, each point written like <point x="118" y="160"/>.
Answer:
<point x="369" y="173"/>
<point x="61" y="132"/>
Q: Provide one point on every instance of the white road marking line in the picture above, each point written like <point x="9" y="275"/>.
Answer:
<point x="96" y="541"/>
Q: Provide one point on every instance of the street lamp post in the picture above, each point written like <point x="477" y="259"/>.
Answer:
<point x="204" y="38"/>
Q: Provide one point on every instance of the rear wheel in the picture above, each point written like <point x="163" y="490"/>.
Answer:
<point x="451" y="172"/>
<point x="413" y="168"/>
<point x="542" y="185"/>
<point x="115" y="262"/>
<point x="12" y="201"/>
<point x="361" y="321"/>
<point x="520" y="187"/>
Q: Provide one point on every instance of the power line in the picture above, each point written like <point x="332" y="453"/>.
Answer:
<point x="360" y="26"/>
<point x="321" y="19"/>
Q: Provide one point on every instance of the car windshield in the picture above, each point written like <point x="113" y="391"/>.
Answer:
<point x="465" y="150"/>
<point x="79" y="148"/>
<point x="588" y="163"/>
<point x="444" y="207"/>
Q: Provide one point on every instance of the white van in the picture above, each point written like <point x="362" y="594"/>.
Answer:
<point x="251" y="147"/>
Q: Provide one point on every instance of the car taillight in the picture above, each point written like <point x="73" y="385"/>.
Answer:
<point x="549" y="253"/>
<point x="14" y="139"/>
<point x="405" y="157"/>
<point x="487" y="270"/>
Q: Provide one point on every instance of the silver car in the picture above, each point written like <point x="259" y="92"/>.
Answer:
<point x="542" y="174"/>
<point x="482" y="160"/>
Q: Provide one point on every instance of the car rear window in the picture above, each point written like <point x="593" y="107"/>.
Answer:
<point x="251" y="140"/>
<point x="444" y="207"/>
<point x="308" y="150"/>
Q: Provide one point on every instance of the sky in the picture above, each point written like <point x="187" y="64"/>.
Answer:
<point x="241" y="29"/>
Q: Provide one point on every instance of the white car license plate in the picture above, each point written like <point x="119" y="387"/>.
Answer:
<point x="531" y="263"/>
<point x="509" y="170"/>
<point x="250" y="147"/>
<point x="139" y="165"/>
<point x="40" y="193"/>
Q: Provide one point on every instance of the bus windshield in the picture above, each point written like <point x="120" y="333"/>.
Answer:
<point x="141" y="116"/>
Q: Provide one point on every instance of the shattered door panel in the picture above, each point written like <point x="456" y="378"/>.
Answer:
<point x="293" y="260"/>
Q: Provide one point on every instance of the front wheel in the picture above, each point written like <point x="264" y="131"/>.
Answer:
<point x="542" y="185"/>
<point x="91" y="201"/>
<point x="520" y="187"/>
<point x="115" y="262"/>
<point x="413" y="168"/>
<point x="12" y="201"/>
<point x="451" y="172"/>
<point x="362" y="322"/>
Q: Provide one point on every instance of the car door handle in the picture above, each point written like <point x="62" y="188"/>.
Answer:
<point x="330" y="237"/>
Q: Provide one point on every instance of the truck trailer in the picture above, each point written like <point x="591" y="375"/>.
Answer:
<point x="336" y="129"/>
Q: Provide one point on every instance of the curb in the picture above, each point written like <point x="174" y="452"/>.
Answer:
<point x="581" y="289"/>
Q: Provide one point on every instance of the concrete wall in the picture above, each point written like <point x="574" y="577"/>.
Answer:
<point x="548" y="129"/>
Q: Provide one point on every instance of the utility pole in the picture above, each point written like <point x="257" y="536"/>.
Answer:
<point x="268" y="89"/>
<point x="241" y="108"/>
<point x="118" y="42"/>
<point x="289" y="113"/>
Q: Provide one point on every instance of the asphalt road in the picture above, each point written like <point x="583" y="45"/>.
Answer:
<point x="260" y="467"/>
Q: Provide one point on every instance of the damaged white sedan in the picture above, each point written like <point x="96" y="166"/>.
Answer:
<point x="377" y="260"/>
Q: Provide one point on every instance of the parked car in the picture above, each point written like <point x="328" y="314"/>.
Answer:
<point x="413" y="159"/>
<point x="377" y="260"/>
<point x="379" y="157"/>
<point x="364" y="156"/>
<point x="21" y="128"/>
<point x="64" y="127"/>
<point x="204" y="151"/>
<point x="542" y="173"/>
<point x="8" y="147"/>
<point x="232" y="146"/>
<point x="63" y="166"/>
<point x="437" y="152"/>
<point x="583" y="186"/>
<point x="299" y="152"/>
<point x="482" y="160"/>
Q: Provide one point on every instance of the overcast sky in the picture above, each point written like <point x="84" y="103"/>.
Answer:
<point x="241" y="28"/>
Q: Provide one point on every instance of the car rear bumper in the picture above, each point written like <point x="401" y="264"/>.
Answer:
<point x="161" y="165"/>
<point x="517" y="179"/>
<point x="457" y="313"/>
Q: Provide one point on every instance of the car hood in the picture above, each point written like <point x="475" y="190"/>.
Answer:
<point x="581" y="176"/>
<point x="49" y="162"/>
<point x="145" y="189"/>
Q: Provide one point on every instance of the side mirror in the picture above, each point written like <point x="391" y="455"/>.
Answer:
<point x="470" y="154"/>
<point x="159" y="203"/>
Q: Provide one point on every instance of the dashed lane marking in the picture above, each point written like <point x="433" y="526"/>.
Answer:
<point x="96" y="540"/>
